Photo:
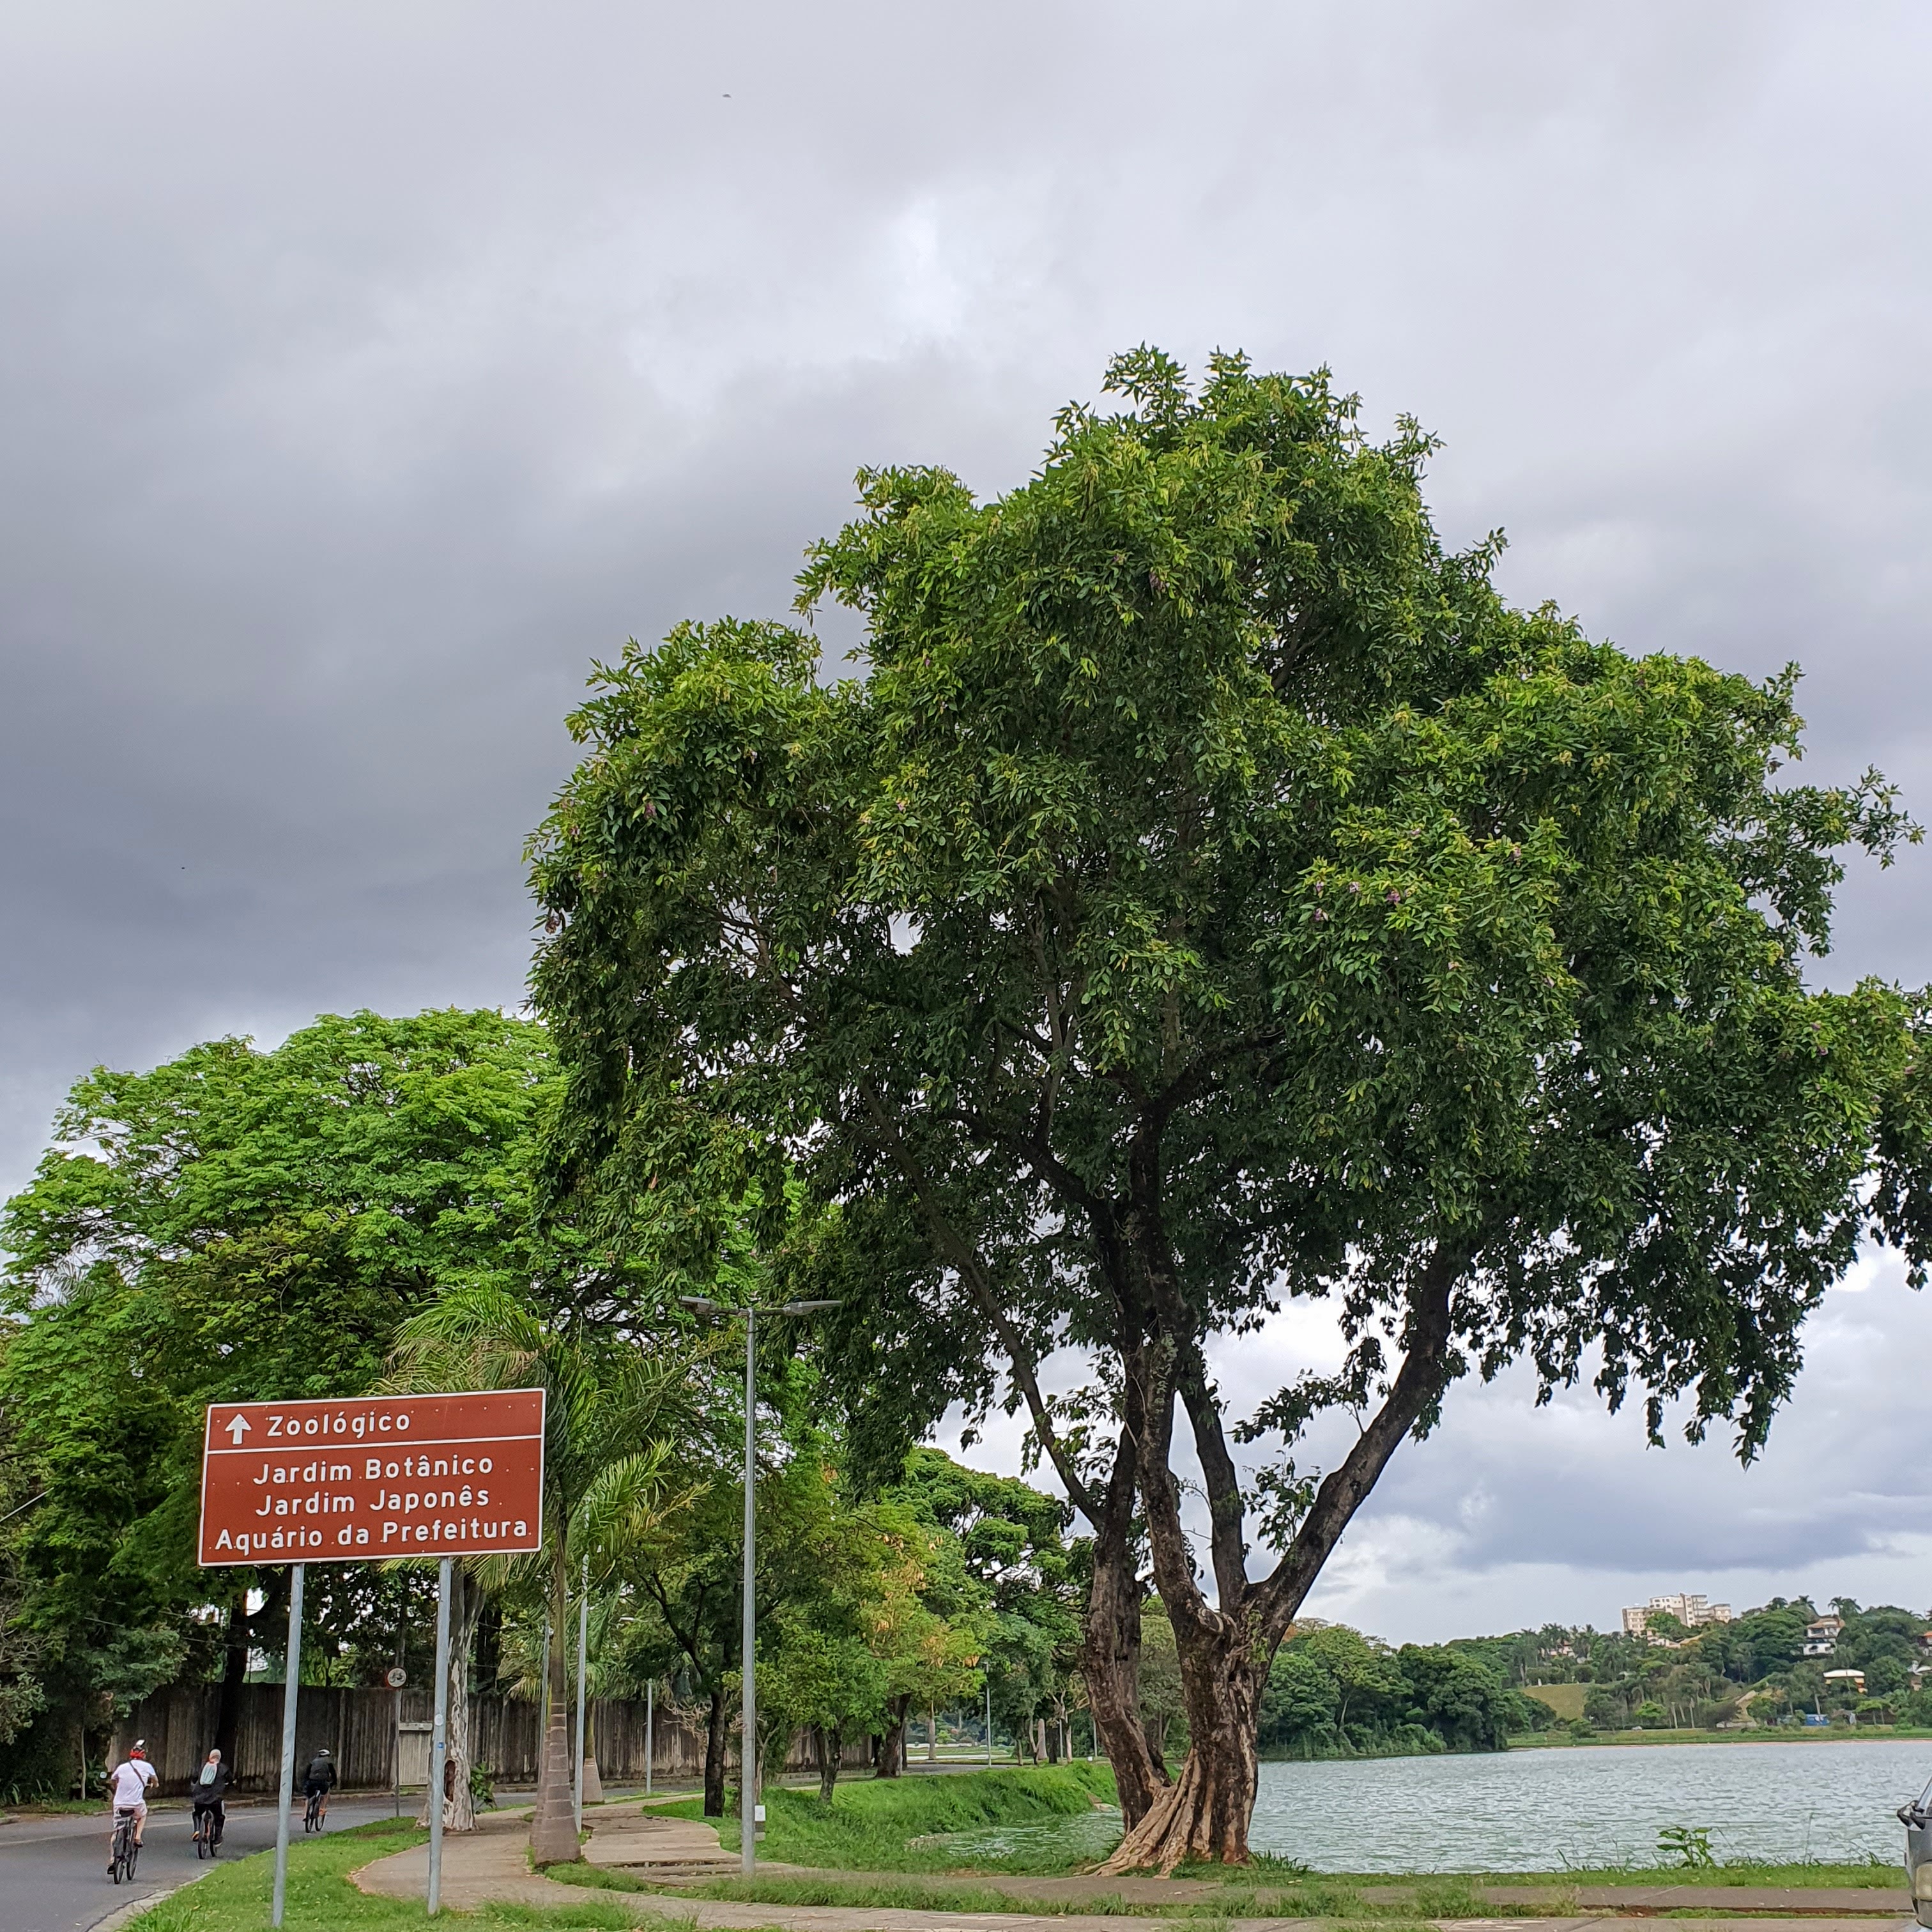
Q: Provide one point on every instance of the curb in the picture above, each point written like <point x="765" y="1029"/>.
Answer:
<point x="126" y="1915"/>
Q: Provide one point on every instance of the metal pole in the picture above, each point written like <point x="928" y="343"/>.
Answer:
<point x="583" y="1657"/>
<point x="650" y="1742"/>
<point x="439" y="1747"/>
<point x="989" y="1721"/>
<point x="291" y="1687"/>
<point x="748" y="1815"/>
<point x="402" y="1644"/>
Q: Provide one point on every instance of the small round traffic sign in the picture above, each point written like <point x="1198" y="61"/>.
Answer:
<point x="395" y="1677"/>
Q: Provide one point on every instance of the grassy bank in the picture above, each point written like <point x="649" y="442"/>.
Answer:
<point x="1033" y="1821"/>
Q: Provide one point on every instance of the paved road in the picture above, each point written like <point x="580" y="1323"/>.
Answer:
<point x="53" y="1870"/>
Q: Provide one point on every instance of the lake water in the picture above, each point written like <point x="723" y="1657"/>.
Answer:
<point x="1542" y="1810"/>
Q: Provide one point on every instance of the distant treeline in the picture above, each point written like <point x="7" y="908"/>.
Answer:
<point x="1333" y="1692"/>
<point x="1752" y="1669"/>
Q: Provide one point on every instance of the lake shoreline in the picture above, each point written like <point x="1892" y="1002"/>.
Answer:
<point x="1539" y="1740"/>
<point x="1761" y="1734"/>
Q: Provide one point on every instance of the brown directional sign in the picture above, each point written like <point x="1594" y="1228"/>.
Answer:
<point x="388" y="1475"/>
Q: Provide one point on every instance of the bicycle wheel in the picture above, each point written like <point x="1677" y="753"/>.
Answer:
<point x="133" y="1854"/>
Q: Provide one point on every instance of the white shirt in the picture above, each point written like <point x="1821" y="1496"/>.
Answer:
<point x="130" y="1782"/>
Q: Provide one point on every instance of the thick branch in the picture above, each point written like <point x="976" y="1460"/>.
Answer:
<point x="1417" y="1383"/>
<point x="1227" y="1513"/>
<point x="1186" y="1372"/>
<point x="1150" y="1378"/>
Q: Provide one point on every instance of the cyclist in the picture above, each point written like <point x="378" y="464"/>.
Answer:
<point x="127" y="1791"/>
<point x="210" y="1789"/>
<point x="318" y="1781"/>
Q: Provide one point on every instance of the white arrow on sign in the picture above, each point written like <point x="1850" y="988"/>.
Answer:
<point x="237" y="1428"/>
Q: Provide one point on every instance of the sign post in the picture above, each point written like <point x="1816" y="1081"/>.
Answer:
<point x="439" y="1749"/>
<point x="362" y="1480"/>
<point x="291" y="1690"/>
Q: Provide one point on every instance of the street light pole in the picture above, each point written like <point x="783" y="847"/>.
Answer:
<point x="747" y="1749"/>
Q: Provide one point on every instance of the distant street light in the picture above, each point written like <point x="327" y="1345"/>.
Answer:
<point x="701" y="1304"/>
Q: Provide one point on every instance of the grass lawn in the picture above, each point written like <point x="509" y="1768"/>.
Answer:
<point x="1314" y="1898"/>
<point x="235" y="1897"/>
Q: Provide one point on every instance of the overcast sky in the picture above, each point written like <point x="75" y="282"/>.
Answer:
<point x="366" y="370"/>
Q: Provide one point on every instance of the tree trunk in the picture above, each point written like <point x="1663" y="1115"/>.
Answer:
<point x="1202" y="1817"/>
<point x="553" y="1822"/>
<point x="1110" y="1660"/>
<point x="831" y="1742"/>
<point x="466" y="1610"/>
<point x="234" y="1675"/>
<point x="714" y="1755"/>
<point x="892" y="1747"/>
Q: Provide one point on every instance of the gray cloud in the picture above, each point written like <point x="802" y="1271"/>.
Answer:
<point x="366" y="372"/>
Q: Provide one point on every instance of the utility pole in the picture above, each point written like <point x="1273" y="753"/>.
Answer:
<point x="749" y="1789"/>
<point x="749" y="1810"/>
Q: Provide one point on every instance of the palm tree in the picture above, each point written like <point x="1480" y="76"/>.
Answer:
<point x="610" y="1411"/>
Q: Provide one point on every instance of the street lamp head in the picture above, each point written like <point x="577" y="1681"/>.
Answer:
<point x="698" y="1304"/>
<point x="808" y="1307"/>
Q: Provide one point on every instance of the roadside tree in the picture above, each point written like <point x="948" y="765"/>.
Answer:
<point x="234" y="1224"/>
<point x="1213" y="895"/>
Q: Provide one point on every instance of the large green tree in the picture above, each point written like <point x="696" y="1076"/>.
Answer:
<point x="1212" y="893"/>
<point x="236" y="1223"/>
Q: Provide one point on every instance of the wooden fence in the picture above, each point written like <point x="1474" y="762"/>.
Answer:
<point x="359" y="1727"/>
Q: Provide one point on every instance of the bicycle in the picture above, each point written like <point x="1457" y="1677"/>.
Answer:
<point x="312" y="1817"/>
<point x="206" y="1846"/>
<point x="127" y="1851"/>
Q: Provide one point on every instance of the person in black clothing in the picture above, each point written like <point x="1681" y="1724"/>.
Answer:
<point x="319" y="1780"/>
<point x="209" y="1791"/>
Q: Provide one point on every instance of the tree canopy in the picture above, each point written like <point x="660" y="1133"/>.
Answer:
<point x="234" y="1224"/>
<point x="1212" y="893"/>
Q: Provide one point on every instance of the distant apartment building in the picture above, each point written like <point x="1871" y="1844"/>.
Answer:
<point x="1692" y="1611"/>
